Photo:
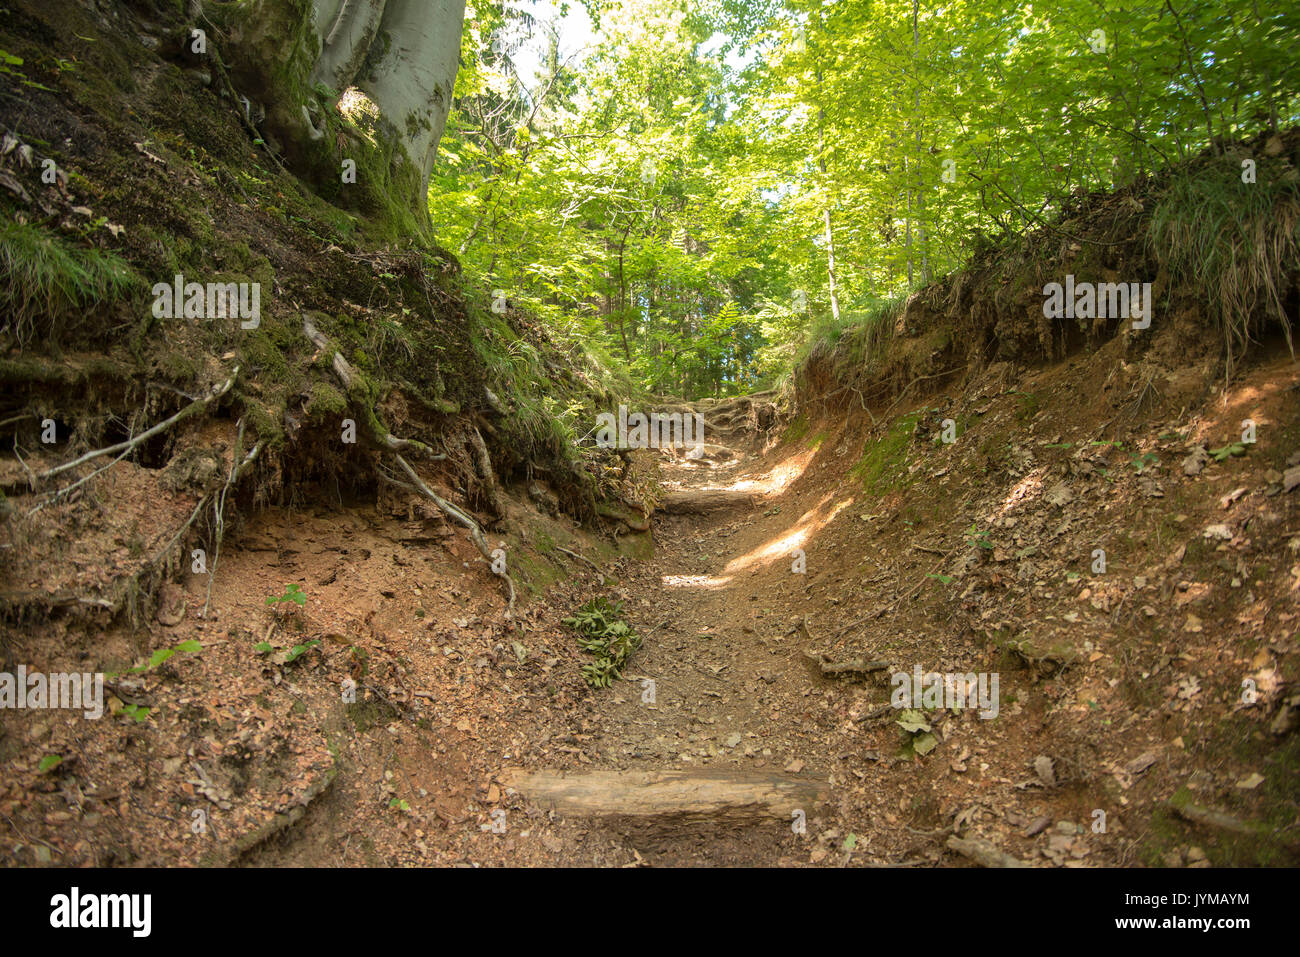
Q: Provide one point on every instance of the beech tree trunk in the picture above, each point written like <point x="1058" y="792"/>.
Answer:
<point x="298" y="59"/>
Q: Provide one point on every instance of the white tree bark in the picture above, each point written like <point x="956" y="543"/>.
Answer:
<point x="346" y="29"/>
<point x="411" y="71"/>
<point x="403" y="54"/>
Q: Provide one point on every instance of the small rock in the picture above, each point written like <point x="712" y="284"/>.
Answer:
<point x="1043" y="767"/>
<point x="1194" y="463"/>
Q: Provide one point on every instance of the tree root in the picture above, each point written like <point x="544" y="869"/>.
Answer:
<point x="132" y="443"/>
<point x="582" y="558"/>
<point x="467" y="521"/>
<point x="219" y="510"/>
<point x="384" y="438"/>
<point x="378" y="434"/>
<point x="483" y="465"/>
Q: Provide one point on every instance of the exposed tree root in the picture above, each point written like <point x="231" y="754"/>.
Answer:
<point x="219" y="510"/>
<point x="483" y="465"/>
<point x="581" y="558"/>
<point x="387" y="440"/>
<point x="378" y="434"/>
<point x="467" y="521"/>
<point x="132" y="443"/>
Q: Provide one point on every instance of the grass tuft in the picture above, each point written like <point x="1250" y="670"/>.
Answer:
<point x="1234" y="244"/>
<point x="44" y="281"/>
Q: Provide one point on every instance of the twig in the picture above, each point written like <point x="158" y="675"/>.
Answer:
<point x="220" y="506"/>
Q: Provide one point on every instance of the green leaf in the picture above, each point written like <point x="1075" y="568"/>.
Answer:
<point x="48" y="762"/>
<point x="924" y="743"/>
<point x="912" y="721"/>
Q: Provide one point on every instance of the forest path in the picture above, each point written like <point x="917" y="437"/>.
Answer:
<point x="720" y="702"/>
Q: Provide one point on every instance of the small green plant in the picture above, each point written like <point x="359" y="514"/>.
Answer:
<point x="1144" y="463"/>
<point x="920" y="736"/>
<point x="1224" y="452"/>
<point x="977" y="539"/>
<point x="399" y="804"/>
<point x="8" y="61"/>
<point x="158" y="657"/>
<point x="287" y="656"/>
<point x="139" y="712"/>
<point x="49" y="763"/>
<point x="292" y="593"/>
<point x="943" y="579"/>
<point x="602" y="633"/>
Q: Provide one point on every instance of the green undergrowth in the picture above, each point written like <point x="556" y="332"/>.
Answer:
<point x="603" y="634"/>
<point x="1211" y="245"/>
<point x="1233" y="244"/>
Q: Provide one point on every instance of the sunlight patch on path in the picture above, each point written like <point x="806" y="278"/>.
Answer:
<point x="814" y="520"/>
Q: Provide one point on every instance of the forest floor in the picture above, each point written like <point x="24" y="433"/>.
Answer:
<point x="1122" y="734"/>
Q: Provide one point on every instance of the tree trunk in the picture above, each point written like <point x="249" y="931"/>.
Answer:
<point x="299" y="57"/>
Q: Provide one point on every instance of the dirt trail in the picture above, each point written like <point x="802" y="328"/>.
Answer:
<point x="720" y="681"/>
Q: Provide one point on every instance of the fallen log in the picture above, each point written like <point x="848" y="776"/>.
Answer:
<point x="686" y="796"/>
<point x="859" y="666"/>
<point x="707" y="500"/>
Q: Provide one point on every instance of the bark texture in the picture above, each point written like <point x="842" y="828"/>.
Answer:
<point x="301" y="59"/>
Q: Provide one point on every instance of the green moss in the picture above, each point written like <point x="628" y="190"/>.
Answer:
<point x="1027" y="407"/>
<point x="883" y="466"/>
<point x="797" y="428"/>
<point x="264" y="424"/>
<point x="29" y="370"/>
<point x="640" y="546"/>
<point x="325" y="400"/>
<point x="263" y="355"/>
